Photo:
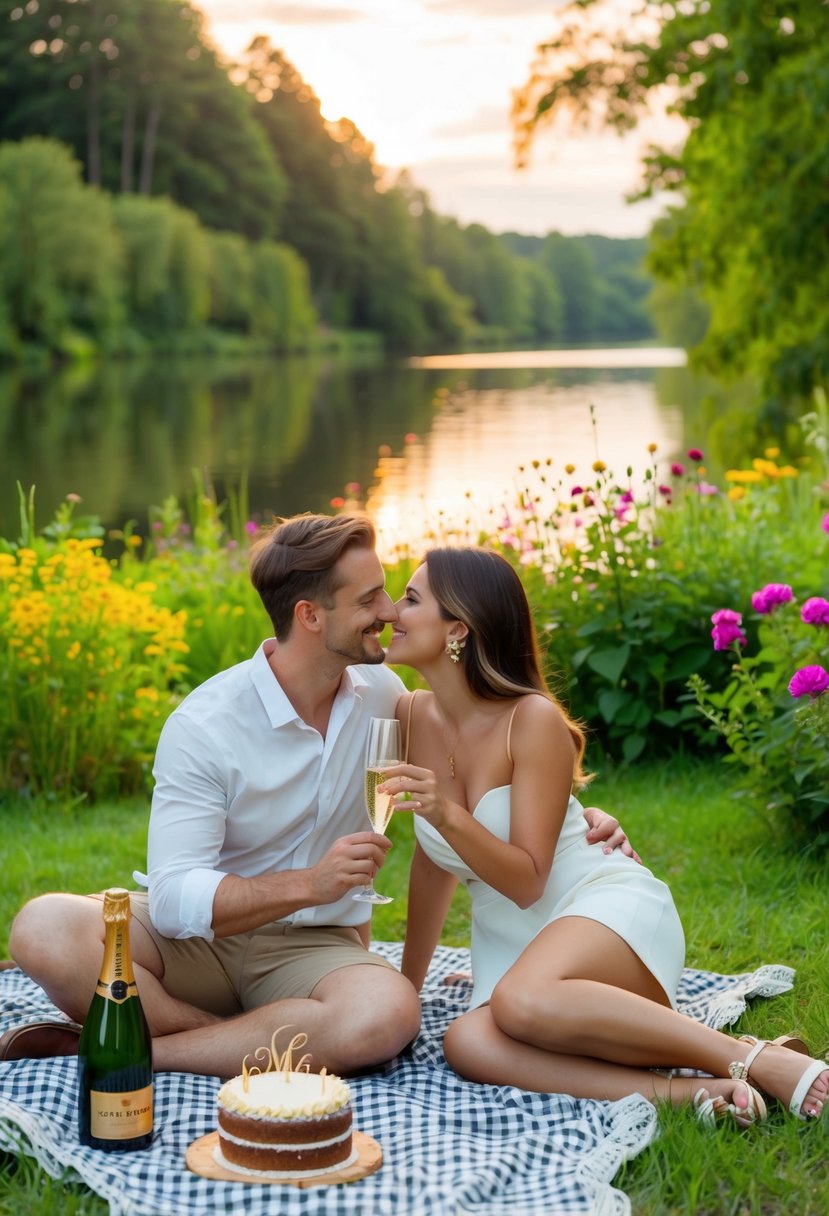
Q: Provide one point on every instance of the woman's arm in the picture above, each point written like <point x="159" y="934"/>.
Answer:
<point x="430" y="894"/>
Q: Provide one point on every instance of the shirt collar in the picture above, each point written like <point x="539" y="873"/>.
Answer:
<point x="277" y="705"/>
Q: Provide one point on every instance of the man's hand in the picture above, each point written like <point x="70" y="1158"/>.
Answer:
<point x="352" y="861"/>
<point x="605" y="830"/>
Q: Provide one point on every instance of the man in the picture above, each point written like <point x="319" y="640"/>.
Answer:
<point x="257" y="840"/>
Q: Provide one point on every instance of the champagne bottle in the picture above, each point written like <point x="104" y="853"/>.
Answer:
<point x="115" y="1072"/>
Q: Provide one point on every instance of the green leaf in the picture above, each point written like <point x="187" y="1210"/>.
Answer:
<point x="611" y="700"/>
<point x="633" y="747"/>
<point x="610" y="663"/>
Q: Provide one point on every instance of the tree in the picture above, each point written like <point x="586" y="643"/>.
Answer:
<point x="750" y="232"/>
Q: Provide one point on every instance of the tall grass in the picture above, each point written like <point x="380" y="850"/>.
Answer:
<point x="744" y="897"/>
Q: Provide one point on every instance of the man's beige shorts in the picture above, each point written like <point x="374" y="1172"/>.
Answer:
<point x="232" y="974"/>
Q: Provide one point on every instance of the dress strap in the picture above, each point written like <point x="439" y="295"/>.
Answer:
<point x="409" y="725"/>
<point x="509" y="731"/>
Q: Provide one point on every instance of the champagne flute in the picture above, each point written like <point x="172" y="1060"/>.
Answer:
<point x="382" y="750"/>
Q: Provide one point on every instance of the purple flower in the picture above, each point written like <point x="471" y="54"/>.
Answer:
<point x="727" y="631"/>
<point x="809" y="681"/>
<point x="576" y="490"/>
<point x="770" y="597"/>
<point x="815" y="611"/>
<point x="695" y="454"/>
<point x="825" y="523"/>
<point x="705" y="488"/>
<point x="626" y="497"/>
<point x="677" y="469"/>
<point x="251" y="527"/>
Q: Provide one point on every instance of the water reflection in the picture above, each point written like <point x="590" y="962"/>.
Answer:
<point x="124" y="435"/>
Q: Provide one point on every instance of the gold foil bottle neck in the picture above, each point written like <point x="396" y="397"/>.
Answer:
<point x="116" y="904"/>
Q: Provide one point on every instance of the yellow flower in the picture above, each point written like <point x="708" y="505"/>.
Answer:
<point x="599" y="466"/>
<point x="744" y="476"/>
<point x="736" y="493"/>
<point x="569" y="468"/>
<point x="652" y="447"/>
<point x="772" y="453"/>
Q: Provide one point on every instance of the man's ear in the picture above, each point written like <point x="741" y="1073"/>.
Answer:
<point x="307" y="615"/>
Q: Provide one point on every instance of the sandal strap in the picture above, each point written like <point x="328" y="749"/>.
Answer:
<point x="738" y="1070"/>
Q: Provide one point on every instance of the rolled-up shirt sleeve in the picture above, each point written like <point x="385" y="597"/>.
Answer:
<point x="187" y="829"/>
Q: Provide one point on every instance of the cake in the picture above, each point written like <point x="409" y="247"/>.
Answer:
<point x="284" y="1121"/>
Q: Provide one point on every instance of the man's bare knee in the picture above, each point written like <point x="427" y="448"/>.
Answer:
<point x="52" y="931"/>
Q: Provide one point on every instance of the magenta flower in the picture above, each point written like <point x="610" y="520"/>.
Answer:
<point x="666" y="491"/>
<point x="677" y="469"/>
<point x="576" y="490"/>
<point x="770" y="597"/>
<point x="809" y="681"/>
<point x="251" y="527"/>
<point x="627" y="496"/>
<point x="727" y="631"/>
<point x="695" y="454"/>
<point x="815" y="611"/>
<point x="825" y="523"/>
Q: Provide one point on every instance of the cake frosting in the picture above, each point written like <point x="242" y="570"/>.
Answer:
<point x="279" y="1120"/>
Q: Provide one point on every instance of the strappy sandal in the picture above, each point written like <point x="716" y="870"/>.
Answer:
<point x="740" y="1069"/>
<point x="710" y="1110"/>
<point x="790" y="1041"/>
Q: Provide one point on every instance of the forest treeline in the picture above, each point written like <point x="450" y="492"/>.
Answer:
<point x="153" y="195"/>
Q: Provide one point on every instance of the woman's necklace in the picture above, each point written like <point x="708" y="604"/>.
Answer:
<point x="450" y="748"/>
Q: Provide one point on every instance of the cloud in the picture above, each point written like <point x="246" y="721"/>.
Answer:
<point x="495" y="8"/>
<point x="281" y="14"/>
<point x="487" y="120"/>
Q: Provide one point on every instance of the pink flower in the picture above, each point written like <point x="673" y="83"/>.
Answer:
<point x="620" y="513"/>
<point x="770" y="597"/>
<point x="825" y="523"/>
<point x="576" y="490"/>
<point x="251" y="527"/>
<point x="695" y="454"/>
<point x="665" y="491"/>
<point x="815" y="611"/>
<point x="677" y="469"/>
<point x="809" y="681"/>
<point x="727" y="631"/>
<point x="627" y="496"/>
<point x="705" y="488"/>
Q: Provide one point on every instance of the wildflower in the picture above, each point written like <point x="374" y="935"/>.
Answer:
<point x="727" y="631"/>
<point x="695" y="454"/>
<point x="809" y="681"/>
<point x="353" y="487"/>
<point x="599" y="466"/>
<point x="337" y="502"/>
<point x="677" y="469"/>
<point x="571" y="468"/>
<point x="652" y="448"/>
<point x="706" y="489"/>
<point x="772" y="453"/>
<point x="410" y="437"/>
<point x="825" y="523"/>
<point x="73" y="498"/>
<point x="576" y="490"/>
<point x="770" y="597"/>
<point x="736" y="493"/>
<point x="815" y="611"/>
<point x="251" y="527"/>
<point x="745" y="476"/>
<point x="665" y="491"/>
<point x="627" y="497"/>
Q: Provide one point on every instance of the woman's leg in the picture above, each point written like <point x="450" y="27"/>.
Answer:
<point x="579" y="1013"/>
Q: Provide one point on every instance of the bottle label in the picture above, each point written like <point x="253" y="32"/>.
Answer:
<point x="114" y="1116"/>
<point x="118" y="991"/>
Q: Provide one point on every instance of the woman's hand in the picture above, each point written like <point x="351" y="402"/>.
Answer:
<point x="415" y="789"/>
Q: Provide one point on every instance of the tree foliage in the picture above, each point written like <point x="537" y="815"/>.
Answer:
<point x="750" y="232"/>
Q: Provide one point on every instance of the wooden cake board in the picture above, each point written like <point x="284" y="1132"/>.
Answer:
<point x="199" y="1158"/>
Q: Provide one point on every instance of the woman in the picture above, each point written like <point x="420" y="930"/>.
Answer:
<point x="576" y="954"/>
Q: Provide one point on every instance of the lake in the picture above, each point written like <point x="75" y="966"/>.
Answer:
<point x="420" y="443"/>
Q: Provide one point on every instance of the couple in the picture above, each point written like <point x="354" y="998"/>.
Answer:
<point x="257" y="841"/>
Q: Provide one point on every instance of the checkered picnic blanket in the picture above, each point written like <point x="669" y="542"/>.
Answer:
<point x="450" y="1148"/>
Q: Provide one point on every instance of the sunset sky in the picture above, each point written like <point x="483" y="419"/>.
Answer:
<point x="429" y="83"/>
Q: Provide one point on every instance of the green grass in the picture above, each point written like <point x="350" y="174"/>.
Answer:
<point x="744" y="897"/>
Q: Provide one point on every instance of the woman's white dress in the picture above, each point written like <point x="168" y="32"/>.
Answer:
<point x="584" y="881"/>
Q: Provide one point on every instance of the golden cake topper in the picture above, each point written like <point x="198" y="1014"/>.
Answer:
<point x="274" y="1062"/>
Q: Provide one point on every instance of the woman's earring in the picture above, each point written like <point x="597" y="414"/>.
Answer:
<point x="453" y="649"/>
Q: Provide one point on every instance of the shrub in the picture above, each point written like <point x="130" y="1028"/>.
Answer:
<point x="773" y="712"/>
<point x="88" y="671"/>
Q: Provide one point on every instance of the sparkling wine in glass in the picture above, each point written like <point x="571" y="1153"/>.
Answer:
<point x="382" y="751"/>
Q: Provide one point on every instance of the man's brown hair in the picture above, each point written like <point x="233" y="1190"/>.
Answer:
<point x="296" y="560"/>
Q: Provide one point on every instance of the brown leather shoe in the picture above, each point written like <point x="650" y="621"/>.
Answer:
<point x="39" y="1040"/>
